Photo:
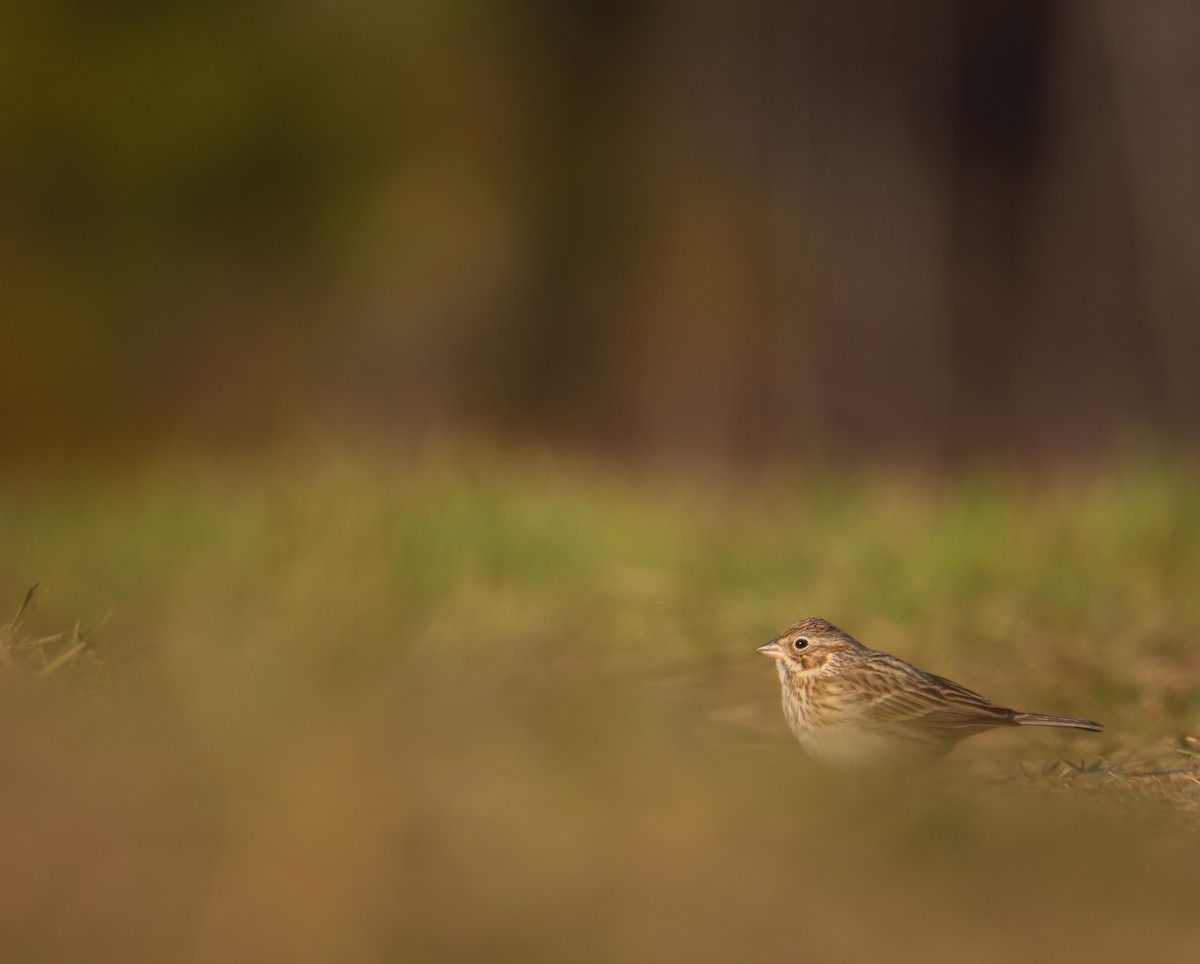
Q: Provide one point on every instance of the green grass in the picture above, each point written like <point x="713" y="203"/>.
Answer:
<point x="467" y="707"/>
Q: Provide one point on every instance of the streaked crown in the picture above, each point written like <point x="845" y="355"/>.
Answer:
<point x="816" y="628"/>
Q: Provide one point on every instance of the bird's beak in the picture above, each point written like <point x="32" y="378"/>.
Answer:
<point x="772" y="649"/>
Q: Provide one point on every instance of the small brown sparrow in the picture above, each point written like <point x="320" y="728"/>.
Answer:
<point x="855" y="707"/>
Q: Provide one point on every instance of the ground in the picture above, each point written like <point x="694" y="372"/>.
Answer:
<point x="455" y="705"/>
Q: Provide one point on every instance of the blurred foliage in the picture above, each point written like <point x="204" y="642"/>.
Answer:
<point x="654" y="228"/>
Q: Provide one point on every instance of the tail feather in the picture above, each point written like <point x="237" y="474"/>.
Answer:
<point x="1041" y="719"/>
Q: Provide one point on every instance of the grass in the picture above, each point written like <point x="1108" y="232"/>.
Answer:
<point x="460" y="707"/>
<point x="44" y="656"/>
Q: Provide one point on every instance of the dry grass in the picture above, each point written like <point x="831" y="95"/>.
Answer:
<point x="41" y="656"/>
<point x="1135" y="786"/>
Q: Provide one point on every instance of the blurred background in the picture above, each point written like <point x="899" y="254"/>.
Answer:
<point x="928" y="231"/>
<point x="443" y="398"/>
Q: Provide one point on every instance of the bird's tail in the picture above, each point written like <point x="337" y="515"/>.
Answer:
<point x="1041" y="719"/>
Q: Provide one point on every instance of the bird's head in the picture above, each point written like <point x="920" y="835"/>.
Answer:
<point x="808" y="644"/>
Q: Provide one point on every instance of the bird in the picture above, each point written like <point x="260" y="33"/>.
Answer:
<point x="856" y="708"/>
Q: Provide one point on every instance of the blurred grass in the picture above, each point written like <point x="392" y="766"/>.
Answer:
<point x="459" y="706"/>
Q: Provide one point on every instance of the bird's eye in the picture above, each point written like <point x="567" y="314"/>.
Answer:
<point x="799" y="643"/>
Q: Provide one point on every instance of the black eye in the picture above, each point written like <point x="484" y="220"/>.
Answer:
<point x="800" y="643"/>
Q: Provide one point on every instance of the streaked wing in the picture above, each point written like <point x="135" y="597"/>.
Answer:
<point x="890" y="692"/>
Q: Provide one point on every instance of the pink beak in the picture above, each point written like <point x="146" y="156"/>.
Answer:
<point x="772" y="649"/>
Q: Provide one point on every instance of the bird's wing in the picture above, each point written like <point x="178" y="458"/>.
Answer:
<point x="889" y="691"/>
